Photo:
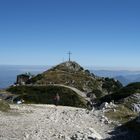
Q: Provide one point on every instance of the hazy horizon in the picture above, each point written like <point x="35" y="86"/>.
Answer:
<point x="8" y="73"/>
<point x="91" y="67"/>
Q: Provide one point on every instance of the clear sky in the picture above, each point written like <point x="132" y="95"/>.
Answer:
<point x="103" y="33"/>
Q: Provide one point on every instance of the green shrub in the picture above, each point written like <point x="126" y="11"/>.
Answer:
<point x="87" y="71"/>
<point x="98" y="93"/>
<point x="111" y="85"/>
<point x="4" y="106"/>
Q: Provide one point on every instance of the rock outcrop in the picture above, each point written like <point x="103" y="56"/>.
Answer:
<point x="106" y="105"/>
<point x="128" y="96"/>
<point x="87" y="134"/>
<point x="127" y="104"/>
<point x="133" y="102"/>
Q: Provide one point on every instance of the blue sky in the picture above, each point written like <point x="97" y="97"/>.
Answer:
<point x="104" y="33"/>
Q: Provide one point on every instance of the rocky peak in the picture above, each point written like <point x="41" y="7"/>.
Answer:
<point x="69" y="65"/>
<point x="72" y="74"/>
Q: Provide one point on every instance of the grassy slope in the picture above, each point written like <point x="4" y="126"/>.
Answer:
<point x="46" y="94"/>
<point x="76" y="79"/>
<point x="80" y="80"/>
<point x="121" y="114"/>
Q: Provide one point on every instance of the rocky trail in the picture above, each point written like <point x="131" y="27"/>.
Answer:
<point x="49" y="122"/>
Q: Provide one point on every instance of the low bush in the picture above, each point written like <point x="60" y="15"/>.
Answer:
<point x="4" y="106"/>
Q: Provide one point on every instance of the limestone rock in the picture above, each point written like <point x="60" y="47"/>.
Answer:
<point x="106" y="105"/>
<point x="133" y="102"/>
<point x="136" y="107"/>
<point x="88" y="134"/>
<point x="104" y="120"/>
<point x="103" y="105"/>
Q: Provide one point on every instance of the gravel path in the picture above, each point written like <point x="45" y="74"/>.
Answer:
<point x="80" y="93"/>
<point x="48" y="122"/>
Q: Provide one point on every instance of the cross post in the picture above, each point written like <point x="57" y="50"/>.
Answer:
<point x="69" y="53"/>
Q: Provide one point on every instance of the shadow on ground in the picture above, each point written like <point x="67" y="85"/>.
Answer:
<point x="124" y="133"/>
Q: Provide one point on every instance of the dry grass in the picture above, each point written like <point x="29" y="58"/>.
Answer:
<point x="121" y="115"/>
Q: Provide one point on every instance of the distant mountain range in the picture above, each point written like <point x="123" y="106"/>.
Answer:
<point x="124" y="76"/>
<point x="128" y="79"/>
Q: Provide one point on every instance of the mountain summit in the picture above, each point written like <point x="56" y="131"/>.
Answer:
<point x="69" y="66"/>
<point x="72" y="74"/>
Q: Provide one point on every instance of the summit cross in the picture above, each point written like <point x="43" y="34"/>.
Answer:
<point x="69" y="53"/>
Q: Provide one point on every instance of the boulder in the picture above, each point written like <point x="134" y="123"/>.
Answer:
<point x="104" y="120"/>
<point x="87" y="134"/>
<point x="106" y="105"/>
<point x="103" y="106"/>
<point x="134" y="100"/>
<point x="136" y="107"/>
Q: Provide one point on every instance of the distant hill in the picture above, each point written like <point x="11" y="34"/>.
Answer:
<point x="114" y="73"/>
<point x="125" y="80"/>
<point x="124" y="76"/>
